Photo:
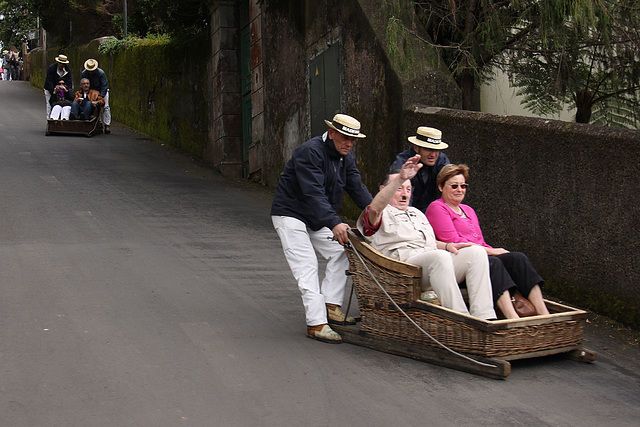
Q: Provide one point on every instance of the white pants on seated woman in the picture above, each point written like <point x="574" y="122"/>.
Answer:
<point x="59" y="112"/>
<point x="442" y="271"/>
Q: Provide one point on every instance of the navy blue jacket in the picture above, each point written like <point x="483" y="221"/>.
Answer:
<point x="52" y="78"/>
<point x="97" y="80"/>
<point x="424" y="186"/>
<point x="313" y="181"/>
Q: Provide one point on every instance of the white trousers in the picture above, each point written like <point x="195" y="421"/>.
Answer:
<point x="106" y="111"/>
<point x="47" y="97"/>
<point x="59" y="112"/>
<point x="442" y="271"/>
<point x="299" y="244"/>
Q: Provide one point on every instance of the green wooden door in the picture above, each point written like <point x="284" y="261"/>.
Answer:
<point x="324" y="88"/>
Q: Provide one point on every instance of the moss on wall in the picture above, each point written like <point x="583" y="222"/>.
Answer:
<point x="37" y="73"/>
<point x="601" y="301"/>
<point x="156" y="87"/>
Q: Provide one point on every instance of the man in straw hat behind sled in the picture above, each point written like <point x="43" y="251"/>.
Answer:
<point x="98" y="81"/>
<point x="428" y="143"/>
<point x="57" y="72"/>
<point x="305" y="215"/>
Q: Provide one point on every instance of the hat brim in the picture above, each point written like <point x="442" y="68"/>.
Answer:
<point x="425" y="144"/>
<point x="359" y="135"/>
<point x="88" y="64"/>
<point x="62" y="62"/>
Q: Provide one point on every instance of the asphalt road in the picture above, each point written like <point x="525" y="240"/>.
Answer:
<point x="140" y="289"/>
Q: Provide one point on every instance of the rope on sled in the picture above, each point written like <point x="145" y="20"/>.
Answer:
<point x="410" y="319"/>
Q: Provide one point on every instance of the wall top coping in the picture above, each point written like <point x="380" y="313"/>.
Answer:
<point x="532" y="122"/>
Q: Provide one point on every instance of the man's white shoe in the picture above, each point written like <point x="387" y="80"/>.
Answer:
<point x="323" y="333"/>
<point x="335" y="315"/>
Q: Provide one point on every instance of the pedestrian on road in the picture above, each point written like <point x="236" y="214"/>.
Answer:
<point x="5" y="65"/>
<point x="305" y="215"/>
<point x="428" y="143"/>
<point x="14" y="62"/>
<point x="57" y="71"/>
<point x="98" y="81"/>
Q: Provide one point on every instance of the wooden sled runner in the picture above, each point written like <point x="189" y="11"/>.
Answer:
<point x="474" y="345"/>
<point x="87" y="128"/>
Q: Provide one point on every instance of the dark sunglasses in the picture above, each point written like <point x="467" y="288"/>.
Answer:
<point x="455" y="186"/>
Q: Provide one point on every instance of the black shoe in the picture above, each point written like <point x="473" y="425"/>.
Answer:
<point x="72" y="117"/>
<point x="107" y="129"/>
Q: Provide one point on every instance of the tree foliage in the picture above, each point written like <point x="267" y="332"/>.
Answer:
<point x="474" y="34"/>
<point x="75" y="21"/>
<point x="177" y="18"/>
<point x="79" y="21"/>
<point x="547" y="46"/>
<point x="16" y="21"/>
<point x="596" y="68"/>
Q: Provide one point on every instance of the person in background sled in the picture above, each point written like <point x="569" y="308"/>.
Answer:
<point x="85" y="102"/>
<point x="98" y="81"/>
<point x="57" y="71"/>
<point x="61" y="100"/>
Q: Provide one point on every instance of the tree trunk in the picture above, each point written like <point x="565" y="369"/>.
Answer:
<point x="467" y="78"/>
<point x="584" y="104"/>
<point x="467" y="85"/>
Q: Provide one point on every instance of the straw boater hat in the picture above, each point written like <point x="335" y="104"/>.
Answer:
<point x="4" y="52"/>
<point x="346" y="125"/>
<point x="62" y="59"/>
<point x="428" y="138"/>
<point x="90" y="64"/>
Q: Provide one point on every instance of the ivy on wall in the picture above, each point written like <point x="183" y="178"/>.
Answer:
<point x="398" y="44"/>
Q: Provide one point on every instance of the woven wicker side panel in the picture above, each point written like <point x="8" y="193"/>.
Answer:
<point x="455" y="335"/>
<point x="528" y="339"/>
<point x="403" y="289"/>
<point x="464" y="338"/>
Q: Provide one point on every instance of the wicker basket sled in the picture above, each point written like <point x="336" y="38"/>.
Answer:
<point x="87" y="128"/>
<point x="483" y="347"/>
